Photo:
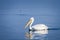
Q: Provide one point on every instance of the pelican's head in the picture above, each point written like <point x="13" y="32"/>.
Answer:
<point x="32" y="19"/>
<point x="29" y="23"/>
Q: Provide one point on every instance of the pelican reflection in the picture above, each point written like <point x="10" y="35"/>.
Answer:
<point x="37" y="34"/>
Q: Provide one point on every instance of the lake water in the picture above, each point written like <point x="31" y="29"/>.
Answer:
<point x="14" y="14"/>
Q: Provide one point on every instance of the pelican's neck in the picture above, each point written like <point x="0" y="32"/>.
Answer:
<point x="32" y="19"/>
<point x="31" y="25"/>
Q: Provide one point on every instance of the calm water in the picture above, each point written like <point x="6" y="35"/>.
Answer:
<point x="14" y="15"/>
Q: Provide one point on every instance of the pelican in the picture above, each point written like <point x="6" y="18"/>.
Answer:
<point x="37" y="27"/>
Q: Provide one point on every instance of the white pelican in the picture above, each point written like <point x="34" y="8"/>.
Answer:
<point x="39" y="27"/>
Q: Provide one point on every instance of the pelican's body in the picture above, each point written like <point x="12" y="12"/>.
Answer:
<point x="40" y="26"/>
<point x="41" y="29"/>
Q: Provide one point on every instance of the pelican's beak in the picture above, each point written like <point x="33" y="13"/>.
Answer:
<point x="28" y="23"/>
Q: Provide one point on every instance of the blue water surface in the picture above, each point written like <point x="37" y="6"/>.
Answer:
<point x="14" y="14"/>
